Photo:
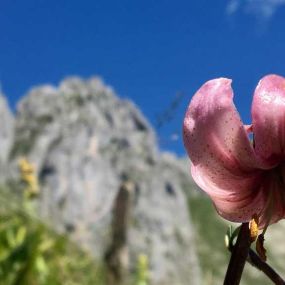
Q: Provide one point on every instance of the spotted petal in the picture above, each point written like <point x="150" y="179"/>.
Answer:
<point x="224" y="162"/>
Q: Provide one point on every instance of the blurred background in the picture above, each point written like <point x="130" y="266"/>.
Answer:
<point x="95" y="183"/>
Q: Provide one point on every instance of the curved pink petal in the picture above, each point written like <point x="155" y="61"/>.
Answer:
<point x="224" y="163"/>
<point x="235" y="208"/>
<point x="266" y="200"/>
<point x="268" y="119"/>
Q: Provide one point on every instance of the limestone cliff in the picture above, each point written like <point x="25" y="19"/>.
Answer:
<point x="83" y="139"/>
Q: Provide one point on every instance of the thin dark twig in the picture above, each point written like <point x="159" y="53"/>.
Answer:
<point x="239" y="256"/>
<point x="255" y="260"/>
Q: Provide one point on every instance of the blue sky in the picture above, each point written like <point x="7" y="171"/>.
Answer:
<point x="147" y="50"/>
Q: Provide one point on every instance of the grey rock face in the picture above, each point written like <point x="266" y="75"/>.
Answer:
<point x="6" y="136"/>
<point x="83" y="138"/>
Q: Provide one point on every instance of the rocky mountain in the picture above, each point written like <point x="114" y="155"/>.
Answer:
<point x="6" y="136"/>
<point x="84" y="141"/>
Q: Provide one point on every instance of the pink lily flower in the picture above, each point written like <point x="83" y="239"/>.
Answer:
<point x="242" y="178"/>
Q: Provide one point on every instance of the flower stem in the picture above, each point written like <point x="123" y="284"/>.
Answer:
<point x="255" y="261"/>
<point x="239" y="256"/>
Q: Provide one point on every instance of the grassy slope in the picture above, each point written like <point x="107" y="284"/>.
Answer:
<point x="32" y="254"/>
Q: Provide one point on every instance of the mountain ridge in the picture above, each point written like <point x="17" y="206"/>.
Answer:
<point x="83" y="138"/>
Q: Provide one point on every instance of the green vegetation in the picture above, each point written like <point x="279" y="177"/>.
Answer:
<point x="210" y="231"/>
<point x="142" y="270"/>
<point x="32" y="254"/>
